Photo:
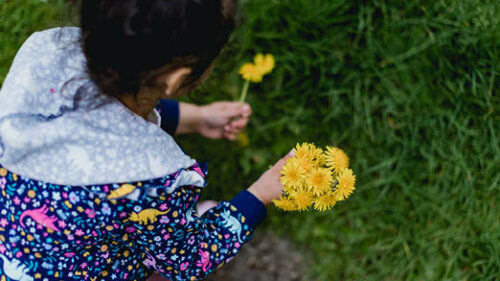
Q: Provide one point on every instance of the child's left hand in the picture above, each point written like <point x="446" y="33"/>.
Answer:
<point x="216" y="120"/>
<point x="224" y="119"/>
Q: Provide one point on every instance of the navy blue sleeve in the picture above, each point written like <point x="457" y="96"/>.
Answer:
<point x="251" y="207"/>
<point x="181" y="245"/>
<point x="169" y="112"/>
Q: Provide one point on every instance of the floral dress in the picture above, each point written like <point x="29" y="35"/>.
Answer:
<point x="56" y="232"/>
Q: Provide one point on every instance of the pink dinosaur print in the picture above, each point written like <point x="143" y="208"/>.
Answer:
<point x="40" y="216"/>
<point x="204" y="262"/>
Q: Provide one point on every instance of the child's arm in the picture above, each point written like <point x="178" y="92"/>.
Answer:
<point x="181" y="246"/>
<point x="215" y="120"/>
<point x="169" y="112"/>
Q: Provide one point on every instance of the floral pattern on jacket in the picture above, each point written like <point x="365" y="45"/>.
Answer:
<point x="56" y="232"/>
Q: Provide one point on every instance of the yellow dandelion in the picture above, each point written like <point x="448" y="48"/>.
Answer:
<point x="319" y="180"/>
<point x="292" y="174"/>
<point x="243" y="139"/>
<point x="302" y="200"/>
<point x="265" y="63"/>
<point x="306" y="164"/>
<point x="319" y="156"/>
<point x="336" y="159"/>
<point x="304" y="150"/>
<point x="346" y="181"/>
<point x="324" y="202"/>
<point x="288" y="189"/>
<point x="284" y="203"/>
<point x="250" y="72"/>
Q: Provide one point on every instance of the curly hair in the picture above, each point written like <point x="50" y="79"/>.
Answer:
<point x="127" y="42"/>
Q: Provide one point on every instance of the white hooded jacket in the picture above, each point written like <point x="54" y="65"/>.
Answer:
<point x="51" y="130"/>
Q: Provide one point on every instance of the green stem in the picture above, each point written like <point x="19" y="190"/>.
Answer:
<point x="244" y="91"/>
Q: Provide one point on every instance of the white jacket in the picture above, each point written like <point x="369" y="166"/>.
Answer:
<point x="51" y="129"/>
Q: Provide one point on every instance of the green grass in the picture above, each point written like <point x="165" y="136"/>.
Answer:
<point x="21" y="18"/>
<point x="409" y="89"/>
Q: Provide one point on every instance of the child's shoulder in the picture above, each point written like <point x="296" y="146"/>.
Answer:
<point x="51" y="35"/>
<point x="44" y="53"/>
<point x="45" y="62"/>
<point x="49" y="40"/>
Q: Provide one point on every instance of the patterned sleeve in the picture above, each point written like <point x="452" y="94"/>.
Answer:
<point x="182" y="246"/>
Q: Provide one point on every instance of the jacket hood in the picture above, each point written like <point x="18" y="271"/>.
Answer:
<point x="55" y="126"/>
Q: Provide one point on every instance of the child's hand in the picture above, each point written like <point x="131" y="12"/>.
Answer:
<point x="223" y="119"/>
<point x="268" y="187"/>
<point x="216" y="120"/>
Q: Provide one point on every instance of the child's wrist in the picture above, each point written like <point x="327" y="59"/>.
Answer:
<point x="250" y="206"/>
<point x="258" y="194"/>
<point x="190" y="118"/>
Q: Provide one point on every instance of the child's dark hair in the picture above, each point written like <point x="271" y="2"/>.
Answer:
<point x="127" y="42"/>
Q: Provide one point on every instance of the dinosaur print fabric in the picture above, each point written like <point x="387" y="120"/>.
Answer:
<point x="56" y="232"/>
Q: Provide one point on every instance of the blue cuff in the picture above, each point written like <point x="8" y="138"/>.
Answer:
<point x="251" y="207"/>
<point x="169" y="112"/>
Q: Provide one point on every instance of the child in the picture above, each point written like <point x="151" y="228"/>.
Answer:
<point x="91" y="188"/>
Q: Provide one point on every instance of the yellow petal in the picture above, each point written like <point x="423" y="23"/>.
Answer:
<point x="265" y="63"/>
<point x="250" y="72"/>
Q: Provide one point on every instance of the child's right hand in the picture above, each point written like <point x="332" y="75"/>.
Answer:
<point x="268" y="187"/>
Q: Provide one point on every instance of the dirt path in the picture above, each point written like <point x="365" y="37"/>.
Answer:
<point x="266" y="257"/>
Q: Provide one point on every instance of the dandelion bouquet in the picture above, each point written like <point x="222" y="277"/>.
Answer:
<point x="314" y="177"/>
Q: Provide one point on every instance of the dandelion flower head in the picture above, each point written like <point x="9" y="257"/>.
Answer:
<point x="336" y="159"/>
<point x="243" y="139"/>
<point x="284" y="203"/>
<point x="324" y="202"/>
<point x="292" y="174"/>
<point x="319" y="180"/>
<point x="346" y="181"/>
<point x="251" y="72"/>
<point x="319" y="156"/>
<point x="305" y="164"/>
<point x="302" y="199"/>
<point x="305" y="150"/>
<point x="265" y="63"/>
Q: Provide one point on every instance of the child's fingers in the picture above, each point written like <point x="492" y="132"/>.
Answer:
<point x="230" y="136"/>
<point x="226" y="109"/>
<point x="279" y="165"/>
<point x="238" y="124"/>
<point x="237" y="111"/>
<point x="245" y="110"/>
<point x="230" y="129"/>
<point x="288" y="156"/>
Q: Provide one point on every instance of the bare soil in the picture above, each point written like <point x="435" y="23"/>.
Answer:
<point x="265" y="257"/>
